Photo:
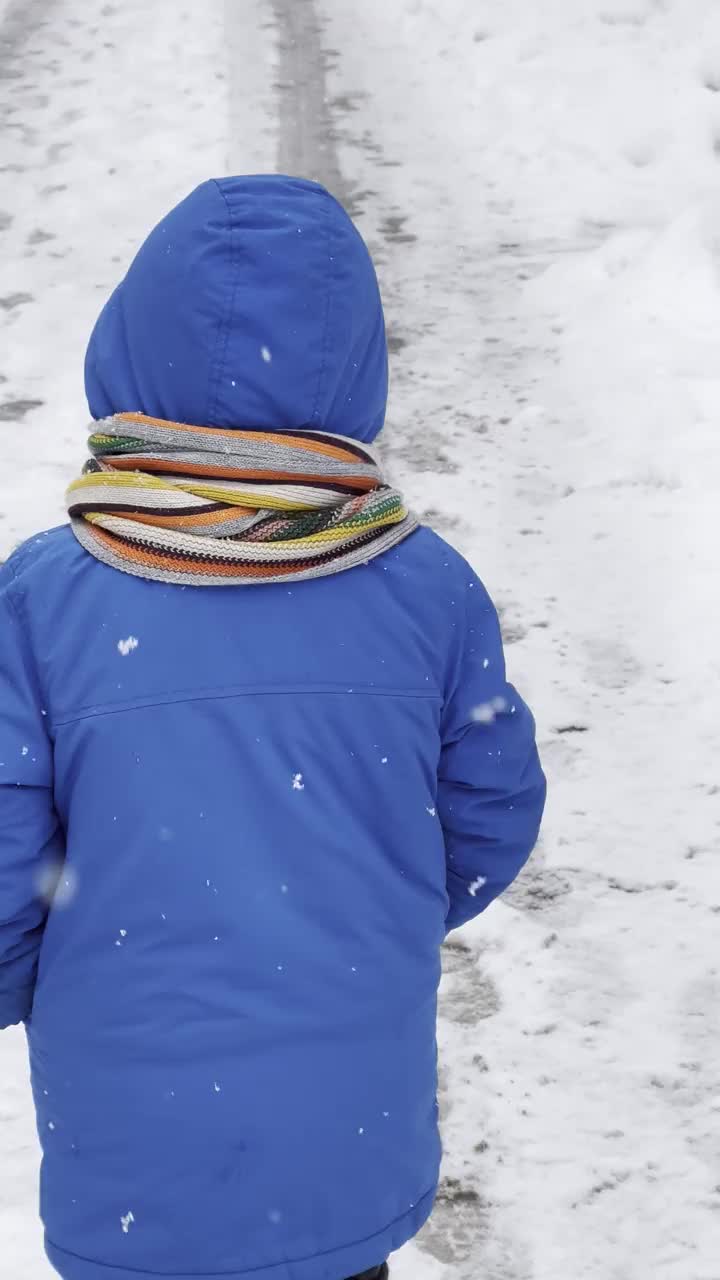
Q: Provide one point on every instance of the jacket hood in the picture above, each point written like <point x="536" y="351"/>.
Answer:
<point x="254" y="303"/>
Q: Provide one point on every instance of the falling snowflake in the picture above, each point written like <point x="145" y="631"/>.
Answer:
<point x="432" y="812"/>
<point x="126" y="1220"/>
<point x="127" y="646"/>
<point x="56" y="884"/>
<point x="297" y="782"/>
<point x="486" y="712"/>
<point x="67" y="888"/>
<point x="266" y="354"/>
<point x="476" y="885"/>
<point x="25" y="751"/>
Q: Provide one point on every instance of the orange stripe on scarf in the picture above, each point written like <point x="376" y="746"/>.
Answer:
<point x="292" y="442"/>
<point x="208" y="568"/>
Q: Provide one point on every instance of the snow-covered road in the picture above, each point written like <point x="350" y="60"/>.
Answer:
<point x="539" y="187"/>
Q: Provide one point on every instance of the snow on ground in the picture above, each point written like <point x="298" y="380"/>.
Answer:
<point x="539" y="184"/>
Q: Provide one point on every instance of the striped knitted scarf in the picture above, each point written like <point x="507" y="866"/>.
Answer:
<point x="209" y="507"/>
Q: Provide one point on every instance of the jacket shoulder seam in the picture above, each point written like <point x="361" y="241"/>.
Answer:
<point x="217" y="695"/>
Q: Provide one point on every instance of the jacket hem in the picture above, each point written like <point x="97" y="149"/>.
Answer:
<point x="347" y="1260"/>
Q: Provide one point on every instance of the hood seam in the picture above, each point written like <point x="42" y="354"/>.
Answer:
<point x="225" y="322"/>
<point x="326" y="324"/>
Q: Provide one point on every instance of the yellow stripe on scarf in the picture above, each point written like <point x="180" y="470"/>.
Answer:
<point x="256" y="499"/>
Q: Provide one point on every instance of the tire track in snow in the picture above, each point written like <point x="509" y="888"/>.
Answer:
<point x="20" y="21"/>
<point x="306" y="145"/>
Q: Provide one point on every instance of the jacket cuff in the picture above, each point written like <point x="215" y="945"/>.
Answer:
<point x="468" y="898"/>
<point x="15" y="1006"/>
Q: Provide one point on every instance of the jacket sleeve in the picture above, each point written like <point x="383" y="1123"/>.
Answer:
<point x="31" y="842"/>
<point x="491" y="788"/>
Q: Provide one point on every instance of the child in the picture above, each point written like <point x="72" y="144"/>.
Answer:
<point x="259" y="811"/>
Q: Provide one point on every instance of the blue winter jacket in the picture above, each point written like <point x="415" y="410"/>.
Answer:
<point x="266" y="805"/>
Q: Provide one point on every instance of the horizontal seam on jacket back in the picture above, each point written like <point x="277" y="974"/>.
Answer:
<point x="284" y="1262"/>
<point x="210" y="695"/>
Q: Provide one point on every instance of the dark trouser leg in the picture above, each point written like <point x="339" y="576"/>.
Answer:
<point x="375" y="1273"/>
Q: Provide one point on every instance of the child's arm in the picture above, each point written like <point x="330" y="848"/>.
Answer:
<point x="31" y="841"/>
<point x="491" y="788"/>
